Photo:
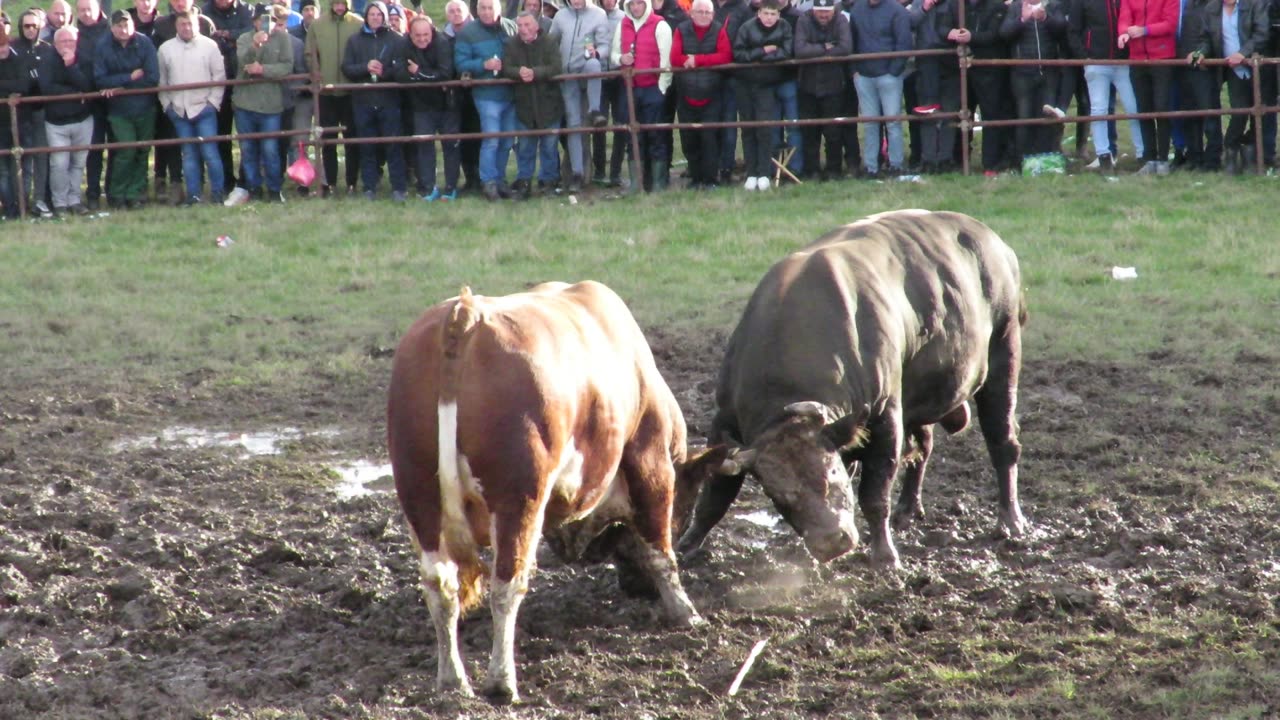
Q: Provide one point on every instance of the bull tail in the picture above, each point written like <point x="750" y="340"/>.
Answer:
<point x="456" y="538"/>
<point x="1023" y="314"/>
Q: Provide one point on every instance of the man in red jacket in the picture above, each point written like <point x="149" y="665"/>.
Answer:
<point x="700" y="42"/>
<point x="1148" y="30"/>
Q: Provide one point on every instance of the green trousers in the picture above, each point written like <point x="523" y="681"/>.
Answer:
<point x="128" y="179"/>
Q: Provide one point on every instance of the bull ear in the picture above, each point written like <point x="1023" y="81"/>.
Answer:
<point x="848" y="431"/>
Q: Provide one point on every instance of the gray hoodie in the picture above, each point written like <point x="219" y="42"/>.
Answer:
<point x="578" y="27"/>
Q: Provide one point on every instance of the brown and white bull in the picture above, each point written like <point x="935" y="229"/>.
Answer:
<point x="537" y="412"/>
<point x="853" y="348"/>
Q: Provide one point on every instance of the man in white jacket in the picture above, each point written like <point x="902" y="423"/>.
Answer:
<point x="193" y="58"/>
<point x="585" y="31"/>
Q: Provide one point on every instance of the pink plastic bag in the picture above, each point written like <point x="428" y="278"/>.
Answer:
<point x="301" y="171"/>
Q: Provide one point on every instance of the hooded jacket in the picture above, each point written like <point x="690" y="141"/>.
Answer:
<point x="539" y="104"/>
<point x="476" y="43"/>
<point x="576" y="28"/>
<point x="649" y="37"/>
<point x="369" y="44"/>
<point x="326" y="43"/>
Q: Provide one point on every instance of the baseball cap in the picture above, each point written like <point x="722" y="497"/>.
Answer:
<point x="828" y="4"/>
<point x="261" y="9"/>
<point x="119" y="16"/>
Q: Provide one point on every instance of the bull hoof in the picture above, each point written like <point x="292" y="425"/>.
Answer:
<point x="1014" y="524"/>
<point x="462" y="687"/>
<point x="501" y="693"/>
<point x="885" y="561"/>
<point x="903" y="518"/>
<point x="685" y="621"/>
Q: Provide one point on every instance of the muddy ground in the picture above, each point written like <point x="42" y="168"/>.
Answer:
<point x="151" y="582"/>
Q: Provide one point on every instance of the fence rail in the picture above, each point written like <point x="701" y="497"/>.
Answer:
<point x="962" y="116"/>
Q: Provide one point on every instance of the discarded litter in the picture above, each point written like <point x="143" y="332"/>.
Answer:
<point x="573" y="199"/>
<point x="223" y="241"/>
<point x="1124" y="273"/>
<point x="910" y="178"/>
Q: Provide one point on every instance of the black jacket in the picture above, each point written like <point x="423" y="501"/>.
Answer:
<point x="983" y="19"/>
<point x="57" y="78"/>
<point x="15" y="77"/>
<point x="748" y="47"/>
<point x="1192" y="27"/>
<point x="1253" y="22"/>
<point x="811" y="42"/>
<point x="1033" y="39"/>
<point x="435" y="64"/>
<point x="1093" y="26"/>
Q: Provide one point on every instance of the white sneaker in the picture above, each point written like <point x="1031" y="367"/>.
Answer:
<point x="1095" y="165"/>
<point x="238" y="196"/>
<point x="751" y="184"/>
<point x="42" y="209"/>
<point x="762" y="184"/>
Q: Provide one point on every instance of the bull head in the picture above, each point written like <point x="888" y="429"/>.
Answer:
<point x="800" y="466"/>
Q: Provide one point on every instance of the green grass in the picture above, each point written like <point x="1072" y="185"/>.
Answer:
<point x="321" y="284"/>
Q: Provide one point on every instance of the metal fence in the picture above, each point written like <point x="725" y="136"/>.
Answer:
<point x="963" y="118"/>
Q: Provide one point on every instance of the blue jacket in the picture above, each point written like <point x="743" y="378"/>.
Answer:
<point x="884" y="27"/>
<point x="476" y="43"/>
<point x="112" y="66"/>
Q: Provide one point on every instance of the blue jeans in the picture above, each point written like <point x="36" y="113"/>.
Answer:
<point x="880" y="95"/>
<point x="495" y="116"/>
<point x="380" y="121"/>
<point x="265" y="151"/>
<point x="204" y="124"/>
<point x="786" y="95"/>
<point x="1100" y="79"/>
<point x="545" y="149"/>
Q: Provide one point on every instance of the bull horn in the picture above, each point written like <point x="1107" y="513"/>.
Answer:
<point x="738" y="462"/>
<point x="806" y="409"/>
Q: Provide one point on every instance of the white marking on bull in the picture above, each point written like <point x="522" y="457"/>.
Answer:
<point x="440" y="589"/>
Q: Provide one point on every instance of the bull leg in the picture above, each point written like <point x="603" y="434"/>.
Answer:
<point x="651" y="482"/>
<point x="997" y="401"/>
<point x="441" y="590"/>
<point x="516" y="532"/>
<point x="909" y="507"/>
<point x="879" y="465"/>
<point x="713" y="503"/>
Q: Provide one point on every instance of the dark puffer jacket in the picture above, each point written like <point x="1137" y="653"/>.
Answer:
<point x="435" y="64"/>
<point x="369" y="44"/>
<point x="748" y="47"/>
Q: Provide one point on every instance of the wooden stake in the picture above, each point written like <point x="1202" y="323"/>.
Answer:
<point x="746" y="666"/>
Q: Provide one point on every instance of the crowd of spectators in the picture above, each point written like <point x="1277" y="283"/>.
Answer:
<point x="94" y="49"/>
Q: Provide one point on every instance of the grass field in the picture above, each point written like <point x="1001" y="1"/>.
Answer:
<point x="154" y="582"/>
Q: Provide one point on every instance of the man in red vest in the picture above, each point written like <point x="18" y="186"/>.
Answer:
<point x="643" y="42"/>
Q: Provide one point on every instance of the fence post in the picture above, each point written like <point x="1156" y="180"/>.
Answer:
<point x="628" y="82"/>
<point x="1258" y="159"/>
<point x="966" y="118"/>
<point x="20" y="185"/>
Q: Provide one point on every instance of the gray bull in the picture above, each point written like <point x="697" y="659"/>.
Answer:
<point x="854" y="347"/>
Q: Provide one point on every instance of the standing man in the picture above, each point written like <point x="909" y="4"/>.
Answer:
<point x="762" y="41"/>
<point x="15" y="78"/>
<point x="169" y="157"/>
<point x="128" y="62"/>
<point x="584" y="31"/>
<point x="35" y="166"/>
<point x="94" y="29"/>
<point x="822" y="33"/>
<point x="457" y="15"/>
<point x="231" y="19"/>
<point x="533" y="58"/>
<point x="193" y="58"/>
<point x="264" y="53"/>
<point x="1093" y="33"/>
<point x="700" y="42"/>
<point x="1234" y="30"/>
<point x="326" y="42"/>
<point x="643" y="42"/>
<point x="58" y="17"/>
<point x="880" y="26"/>
<point x="428" y="60"/>
<point x="612" y="103"/>
<point x="371" y="58"/>
<point x="477" y="53"/>
<point x="68" y="123"/>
